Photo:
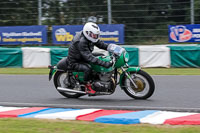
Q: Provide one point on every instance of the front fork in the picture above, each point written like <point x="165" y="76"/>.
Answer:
<point x="129" y="77"/>
<point x="126" y="72"/>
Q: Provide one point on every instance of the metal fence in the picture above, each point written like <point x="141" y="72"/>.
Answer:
<point x="146" y="21"/>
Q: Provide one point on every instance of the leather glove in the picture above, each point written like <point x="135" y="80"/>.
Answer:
<point x="107" y="64"/>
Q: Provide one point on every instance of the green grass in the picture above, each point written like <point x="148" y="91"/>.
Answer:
<point x="173" y="71"/>
<point x="151" y="71"/>
<point x="23" y="125"/>
<point x="24" y="71"/>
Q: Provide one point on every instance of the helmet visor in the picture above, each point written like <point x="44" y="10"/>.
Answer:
<point x="95" y="36"/>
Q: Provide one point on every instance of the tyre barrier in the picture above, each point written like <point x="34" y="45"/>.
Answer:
<point x="143" y="56"/>
<point x="103" y="116"/>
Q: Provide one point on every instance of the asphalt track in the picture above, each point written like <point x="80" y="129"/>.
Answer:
<point x="175" y="93"/>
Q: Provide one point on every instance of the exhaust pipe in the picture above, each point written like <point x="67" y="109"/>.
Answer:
<point x="70" y="90"/>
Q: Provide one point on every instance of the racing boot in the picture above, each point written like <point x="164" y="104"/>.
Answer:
<point x="89" y="89"/>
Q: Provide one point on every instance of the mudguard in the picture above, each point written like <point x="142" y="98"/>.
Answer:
<point x="52" y="71"/>
<point x="130" y="69"/>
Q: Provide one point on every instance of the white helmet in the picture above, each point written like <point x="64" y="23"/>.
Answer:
<point x="91" y="31"/>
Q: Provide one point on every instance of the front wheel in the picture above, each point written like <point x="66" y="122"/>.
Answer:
<point x="60" y="80"/>
<point x="145" y="85"/>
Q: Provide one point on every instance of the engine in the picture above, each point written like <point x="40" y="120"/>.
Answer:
<point x="105" y="76"/>
<point x="106" y="83"/>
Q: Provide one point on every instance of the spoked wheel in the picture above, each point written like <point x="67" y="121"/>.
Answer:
<point x="60" y="80"/>
<point x="144" y="82"/>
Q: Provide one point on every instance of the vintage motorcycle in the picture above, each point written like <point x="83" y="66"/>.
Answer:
<point x="135" y="82"/>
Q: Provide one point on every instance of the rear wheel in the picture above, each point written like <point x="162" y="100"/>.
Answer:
<point x="145" y="85"/>
<point x="60" y="80"/>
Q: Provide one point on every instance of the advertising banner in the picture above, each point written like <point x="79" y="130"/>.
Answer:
<point x="184" y="33"/>
<point x="16" y="35"/>
<point x="110" y="33"/>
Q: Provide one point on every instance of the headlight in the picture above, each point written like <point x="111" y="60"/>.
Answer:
<point x="126" y="57"/>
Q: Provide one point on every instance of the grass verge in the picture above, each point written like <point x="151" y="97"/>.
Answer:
<point x="151" y="71"/>
<point x="21" y="125"/>
<point x="24" y="71"/>
<point x="173" y="71"/>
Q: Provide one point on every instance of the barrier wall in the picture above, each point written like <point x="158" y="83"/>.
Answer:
<point x="133" y="55"/>
<point x="35" y="57"/>
<point x="185" y="56"/>
<point x="57" y="54"/>
<point x="10" y="57"/>
<point x="154" y="56"/>
<point x="143" y="56"/>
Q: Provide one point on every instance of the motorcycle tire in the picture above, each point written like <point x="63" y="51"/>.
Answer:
<point x="58" y="84"/>
<point x="144" y="79"/>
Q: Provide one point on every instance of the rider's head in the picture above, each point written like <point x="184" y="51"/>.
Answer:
<point x="91" y="31"/>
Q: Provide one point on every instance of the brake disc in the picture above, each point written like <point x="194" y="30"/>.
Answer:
<point x="140" y="84"/>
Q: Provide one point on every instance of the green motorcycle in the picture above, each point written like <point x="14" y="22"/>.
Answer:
<point x="135" y="82"/>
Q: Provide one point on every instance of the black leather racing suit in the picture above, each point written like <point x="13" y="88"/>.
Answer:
<point x="80" y="54"/>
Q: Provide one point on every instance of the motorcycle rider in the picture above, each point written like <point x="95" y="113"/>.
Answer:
<point x="80" y="51"/>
